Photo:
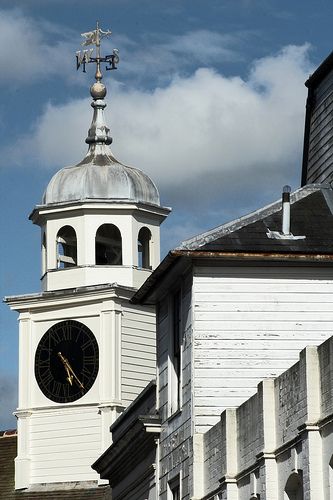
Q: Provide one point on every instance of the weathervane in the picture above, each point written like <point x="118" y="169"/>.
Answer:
<point x="84" y="57"/>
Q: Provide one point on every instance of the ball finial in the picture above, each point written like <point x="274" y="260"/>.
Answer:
<point x="98" y="90"/>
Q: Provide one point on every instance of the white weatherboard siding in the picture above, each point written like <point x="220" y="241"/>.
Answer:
<point x="74" y="435"/>
<point x="138" y="351"/>
<point x="175" y="444"/>
<point x="251" y="323"/>
<point x="51" y="436"/>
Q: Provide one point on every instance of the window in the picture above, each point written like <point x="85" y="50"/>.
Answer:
<point x="294" y="487"/>
<point x="254" y="485"/>
<point x="175" y="493"/>
<point x="144" y="241"/>
<point x="66" y="247"/>
<point x="174" y="489"/>
<point x="175" y="354"/>
<point x="108" y="246"/>
<point x="44" y="256"/>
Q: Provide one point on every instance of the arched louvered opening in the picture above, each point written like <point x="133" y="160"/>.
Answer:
<point x="144" y="250"/>
<point x="66" y="247"/>
<point x="44" y="255"/>
<point x="294" y="487"/>
<point x="108" y="245"/>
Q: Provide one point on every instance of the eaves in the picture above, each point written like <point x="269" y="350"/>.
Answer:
<point x="68" y="296"/>
<point x="157" y="283"/>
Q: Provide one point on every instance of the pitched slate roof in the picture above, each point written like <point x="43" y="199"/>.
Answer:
<point x="249" y="237"/>
<point x="322" y="70"/>
<point x="311" y="216"/>
<point x="8" y="451"/>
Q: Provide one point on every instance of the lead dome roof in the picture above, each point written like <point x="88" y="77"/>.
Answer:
<point x="100" y="175"/>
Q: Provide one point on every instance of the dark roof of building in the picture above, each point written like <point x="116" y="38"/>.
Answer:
<point x="133" y="439"/>
<point x="143" y="404"/>
<point x="317" y="163"/>
<point x="311" y="217"/>
<point x="258" y="237"/>
<point x="8" y="451"/>
<point x="320" y="73"/>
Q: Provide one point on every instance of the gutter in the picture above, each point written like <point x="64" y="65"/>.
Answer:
<point x="174" y="255"/>
<point x="306" y="257"/>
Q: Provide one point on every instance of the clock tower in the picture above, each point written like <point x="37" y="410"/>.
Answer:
<point x="85" y="351"/>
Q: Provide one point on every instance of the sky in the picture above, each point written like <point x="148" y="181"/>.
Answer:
<point x="208" y="99"/>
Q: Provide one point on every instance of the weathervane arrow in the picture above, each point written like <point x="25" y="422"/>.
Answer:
<point x="86" y="56"/>
<point x="92" y="37"/>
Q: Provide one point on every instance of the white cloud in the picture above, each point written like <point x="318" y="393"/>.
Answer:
<point x="209" y="127"/>
<point x="32" y="50"/>
<point x="203" y="45"/>
<point x="36" y="50"/>
<point x="161" y="56"/>
<point x="202" y="136"/>
<point x="58" y="136"/>
<point x="157" y="57"/>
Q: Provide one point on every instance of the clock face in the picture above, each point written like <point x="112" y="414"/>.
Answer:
<point x="66" y="361"/>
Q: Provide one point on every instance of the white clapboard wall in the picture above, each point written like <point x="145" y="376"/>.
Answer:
<point x="138" y="350"/>
<point x="74" y="435"/>
<point x="251" y="323"/>
<point x="64" y="442"/>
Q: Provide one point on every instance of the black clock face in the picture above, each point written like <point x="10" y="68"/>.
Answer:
<point x="66" y="361"/>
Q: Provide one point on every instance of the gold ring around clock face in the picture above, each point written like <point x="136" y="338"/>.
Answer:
<point x="66" y="361"/>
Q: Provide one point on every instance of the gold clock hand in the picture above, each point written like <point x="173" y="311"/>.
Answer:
<point x="69" y="376"/>
<point x="79" y="383"/>
<point x="69" y="370"/>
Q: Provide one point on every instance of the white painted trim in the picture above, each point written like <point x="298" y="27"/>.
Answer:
<point x="25" y="357"/>
<point x="110" y="353"/>
<point x="198" y="466"/>
<point x="22" y="461"/>
<point x="267" y="389"/>
<point x="312" y="373"/>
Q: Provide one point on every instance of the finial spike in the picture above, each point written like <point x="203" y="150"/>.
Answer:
<point x="98" y="135"/>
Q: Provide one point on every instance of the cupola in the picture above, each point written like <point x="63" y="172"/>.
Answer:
<point x="100" y="176"/>
<point x="99" y="218"/>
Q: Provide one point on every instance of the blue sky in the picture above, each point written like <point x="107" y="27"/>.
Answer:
<point x="208" y="100"/>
